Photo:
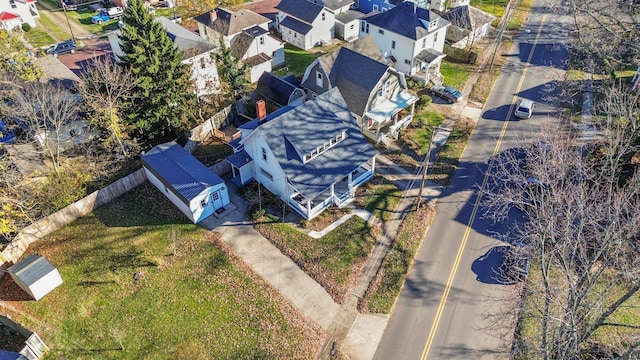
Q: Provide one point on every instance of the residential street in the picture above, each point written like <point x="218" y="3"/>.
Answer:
<point x="453" y="305"/>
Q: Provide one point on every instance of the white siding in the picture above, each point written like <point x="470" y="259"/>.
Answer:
<point x="253" y="146"/>
<point x="45" y="284"/>
<point x="169" y="194"/>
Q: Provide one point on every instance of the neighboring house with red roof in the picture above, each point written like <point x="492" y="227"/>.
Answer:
<point x="13" y="13"/>
<point x="247" y="35"/>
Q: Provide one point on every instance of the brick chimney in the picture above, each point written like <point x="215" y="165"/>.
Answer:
<point x="261" y="110"/>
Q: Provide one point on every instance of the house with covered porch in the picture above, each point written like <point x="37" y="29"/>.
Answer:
<point x="376" y="94"/>
<point x="312" y="156"/>
<point x="411" y="37"/>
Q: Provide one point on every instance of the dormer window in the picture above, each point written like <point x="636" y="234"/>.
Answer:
<point x="324" y="147"/>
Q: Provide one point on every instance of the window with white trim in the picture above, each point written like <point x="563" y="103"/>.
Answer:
<point x="393" y="44"/>
<point x="407" y="61"/>
<point x="324" y="147"/>
<point x="375" y="7"/>
<point x="319" y="79"/>
<point x="435" y="37"/>
<point x="264" y="154"/>
<point x="203" y="203"/>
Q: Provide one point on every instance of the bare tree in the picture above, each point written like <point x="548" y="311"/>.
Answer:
<point x="44" y="110"/>
<point x="104" y="88"/>
<point x="582" y="210"/>
<point x="606" y="32"/>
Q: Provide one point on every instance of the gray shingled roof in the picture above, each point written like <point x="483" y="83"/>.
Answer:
<point x="356" y="76"/>
<point x="300" y="9"/>
<point x="310" y="125"/>
<point x="275" y="89"/>
<point x="349" y="16"/>
<point x="240" y="44"/>
<point x="31" y="269"/>
<point x="467" y="17"/>
<point x="296" y="25"/>
<point x="337" y="4"/>
<point x="406" y="19"/>
<point x="228" y="22"/>
<point x="184" y="40"/>
<point x="366" y="46"/>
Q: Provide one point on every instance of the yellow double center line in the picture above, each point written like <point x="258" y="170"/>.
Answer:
<point x="465" y="238"/>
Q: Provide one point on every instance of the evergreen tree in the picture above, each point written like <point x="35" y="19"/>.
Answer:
<point x="163" y="101"/>
<point x="232" y="71"/>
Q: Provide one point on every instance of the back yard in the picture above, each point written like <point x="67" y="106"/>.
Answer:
<point x="140" y="282"/>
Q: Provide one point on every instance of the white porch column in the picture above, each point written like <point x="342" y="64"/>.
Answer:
<point x="373" y="165"/>
<point x="413" y="109"/>
<point x="333" y="192"/>
<point x="308" y="208"/>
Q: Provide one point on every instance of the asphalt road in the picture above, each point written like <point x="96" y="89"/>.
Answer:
<point x="455" y="303"/>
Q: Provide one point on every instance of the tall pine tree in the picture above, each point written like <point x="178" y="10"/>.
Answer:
<point x="163" y="101"/>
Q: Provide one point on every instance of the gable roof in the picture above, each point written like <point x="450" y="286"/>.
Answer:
<point x="356" y="76"/>
<point x="31" y="269"/>
<point x="308" y="126"/>
<point x="467" y="17"/>
<point x="366" y="46"/>
<point x="184" y="40"/>
<point x="300" y="9"/>
<point x="406" y="19"/>
<point x="296" y="25"/>
<point x="6" y="16"/>
<point x="276" y="89"/>
<point x="228" y="22"/>
<point x="178" y="169"/>
<point x="337" y="4"/>
<point x="241" y="43"/>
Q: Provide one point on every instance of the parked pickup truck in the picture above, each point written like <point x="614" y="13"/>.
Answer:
<point x="107" y="14"/>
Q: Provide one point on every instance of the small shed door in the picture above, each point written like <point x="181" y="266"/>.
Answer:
<point x="216" y="199"/>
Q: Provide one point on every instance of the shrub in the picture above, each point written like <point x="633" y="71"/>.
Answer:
<point x="257" y="214"/>
<point x="423" y="101"/>
<point x="26" y="27"/>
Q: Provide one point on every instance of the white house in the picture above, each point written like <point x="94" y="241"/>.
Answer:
<point x="198" y="54"/>
<point x="192" y="187"/>
<point x="13" y="13"/>
<point x="376" y="94"/>
<point x="35" y="275"/>
<point x="311" y="156"/>
<point x="305" y="24"/>
<point x="468" y="25"/>
<point x="410" y="37"/>
<point x="247" y="35"/>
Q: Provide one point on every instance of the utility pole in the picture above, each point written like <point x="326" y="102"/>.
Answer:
<point x="64" y="8"/>
<point x="425" y="166"/>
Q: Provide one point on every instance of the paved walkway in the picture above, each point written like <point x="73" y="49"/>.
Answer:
<point x="355" y="334"/>
<point x="363" y="214"/>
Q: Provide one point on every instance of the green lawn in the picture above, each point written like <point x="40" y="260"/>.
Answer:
<point x="192" y="299"/>
<point x="450" y="154"/>
<point x="455" y="75"/>
<point x="297" y="60"/>
<point x="493" y="7"/>
<point x="380" y="197"/>
<point x="386" y="285"/>
<point x="39" y="38"/>
<point x="56" y="31"/>
<point x="334" y="260"/>
<point x="83" y="16"/>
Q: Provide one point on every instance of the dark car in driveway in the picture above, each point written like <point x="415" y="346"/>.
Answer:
<point x="447" y="92"/>
<point x="64" y="47"/>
